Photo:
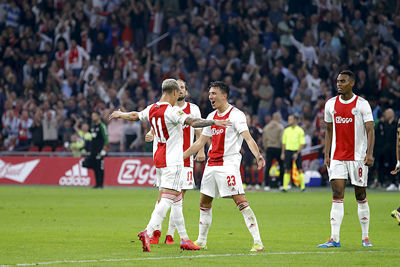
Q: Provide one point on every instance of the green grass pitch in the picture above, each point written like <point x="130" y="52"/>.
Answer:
<point x="84" y="227"/>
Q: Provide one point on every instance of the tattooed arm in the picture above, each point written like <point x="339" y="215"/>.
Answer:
<point x="200" y="123"/>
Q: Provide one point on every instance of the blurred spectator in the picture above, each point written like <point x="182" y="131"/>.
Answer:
<point x="37" y="130"/>
<point x="74" y="57"/>
<point x="24" y="135"/>
<point x="66" y="131"/>
<point x="131" y="137"/>
<point x="50" y="129"/>
<point x="251" y="178"/>
<point x="389" y="148"/>
<point x="272" y="144"/>
<point x="115" y="129"/>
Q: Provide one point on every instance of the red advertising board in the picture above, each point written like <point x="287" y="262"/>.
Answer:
<point x="129" y="171"/>
<point x="118" y="171"/>
<point x="67" y="171"/>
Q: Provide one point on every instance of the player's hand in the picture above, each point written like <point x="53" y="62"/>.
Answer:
<point x="282" y="156"/>
<point x="295" y="156"/>
<point x="115" y="115"/>
<point x="200" y="157"/>
<point x="149" y="137"/>
<point x="222" y="123"/>
<point x="368" y="160"/>
<point x="396" y="169"/>
<point x="327" y="162"/>
<point x="260" y="162"/>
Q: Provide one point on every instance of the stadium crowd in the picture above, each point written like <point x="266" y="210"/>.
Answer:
<point x="62" y="59"/>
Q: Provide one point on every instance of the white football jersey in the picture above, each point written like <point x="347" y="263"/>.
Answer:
<point x="226" y="142"/>
<point x="188" y="132"/>
<point x="349" y="137"/>
<point x="166" y="122"/>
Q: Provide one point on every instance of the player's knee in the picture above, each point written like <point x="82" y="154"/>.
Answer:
<point x="205" y="202"/>
<point x="338" y="194"/>
<point x="360" y="196"/>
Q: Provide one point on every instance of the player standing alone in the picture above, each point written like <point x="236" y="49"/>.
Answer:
<point x="350" y="139"/>
<point x="166" y="122"/>
<point x="221" y="175"/>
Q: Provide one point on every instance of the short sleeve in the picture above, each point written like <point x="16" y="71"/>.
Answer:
<point x="195" y="113"/>
<point x="366" y="111"/>
<point x="144" y="114"/>
<point x="302" y="138"/>
<point x="176" y="115"/>
<point x="207" y="130"/>
<point x="239" y="122"/>
<point x="327" y="113"/>
<point x="284" y="137"/>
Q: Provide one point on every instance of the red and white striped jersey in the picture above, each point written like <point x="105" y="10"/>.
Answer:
<point x="226" y="142"/>
<point x="349" y="137"/>
<point x="166" y="122"/>
<point x="188" y="131"/>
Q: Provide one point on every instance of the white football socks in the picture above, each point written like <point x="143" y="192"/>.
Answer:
<point x="176" y="219"/>
<point x="171" y="224"/>
<point x="250" y="220"/>
<point x="158" y="214"/>
<point x="363" y="216"/>
<point x="204" y="224"/>
<point x="152" y="214"/>
<point x="337" y="213"/>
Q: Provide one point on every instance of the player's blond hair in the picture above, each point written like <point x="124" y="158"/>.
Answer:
<point x="169" y="85"/>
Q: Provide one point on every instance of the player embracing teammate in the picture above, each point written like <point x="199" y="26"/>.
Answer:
<point x="221" y="175"/>
<point x="166" y="121"/>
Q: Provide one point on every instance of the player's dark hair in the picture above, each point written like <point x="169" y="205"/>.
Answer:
<point x="348" y="73"/>
<point x="221" y="86"/>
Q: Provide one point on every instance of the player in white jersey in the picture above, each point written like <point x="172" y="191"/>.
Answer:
<point x="221" y="176"/>
<point x="188" y="174"/>
<point x="350" y="139"/>
<point x="166" y="122"/>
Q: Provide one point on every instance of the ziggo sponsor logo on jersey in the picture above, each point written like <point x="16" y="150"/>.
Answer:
<point x="339" y="119"/>
<point x="215" y="131"/>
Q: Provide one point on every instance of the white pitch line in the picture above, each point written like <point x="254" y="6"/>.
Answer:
<point x="195" y="256"/>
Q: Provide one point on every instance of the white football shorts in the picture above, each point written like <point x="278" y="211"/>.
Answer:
<point x="356" y="170"/>
<point x="224" y="181"/>
<point x="188" y="178"/>
<point x="170" y="177"/>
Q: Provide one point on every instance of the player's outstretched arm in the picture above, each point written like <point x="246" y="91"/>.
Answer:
<point x="130" y="116"/>
<point x="199" y="144"/>
<point x="369" y="127"/>
<point x="328" y="143"/>
<point x="254" y="149"/>
<point x="201" y="123"/>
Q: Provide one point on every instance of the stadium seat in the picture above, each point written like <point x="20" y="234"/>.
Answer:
<point x="60" y="149"/>
<point x="33" y="149"/>
<point x="47" y="149"/>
